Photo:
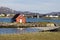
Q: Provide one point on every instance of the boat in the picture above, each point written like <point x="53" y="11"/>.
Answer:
<point x="46" y="28"/>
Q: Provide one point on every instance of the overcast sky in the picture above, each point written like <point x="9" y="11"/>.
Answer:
<point x="41" y="6"/>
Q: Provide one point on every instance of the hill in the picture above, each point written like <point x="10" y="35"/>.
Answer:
<point x="54" y="13"/>
<point x="7" y="10"/>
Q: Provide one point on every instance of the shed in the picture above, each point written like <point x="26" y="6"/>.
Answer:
<point x="21" y="19"/>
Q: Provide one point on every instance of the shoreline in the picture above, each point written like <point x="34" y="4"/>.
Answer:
<point x="26" y="25"/>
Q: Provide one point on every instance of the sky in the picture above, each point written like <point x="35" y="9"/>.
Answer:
<point x="39" y="6"/>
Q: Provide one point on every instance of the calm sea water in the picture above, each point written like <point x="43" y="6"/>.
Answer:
<point x="15" y="30"/>
<point x="5" y="19"/>
<point x="42" y="20"/>
<point x="32" y="20"/>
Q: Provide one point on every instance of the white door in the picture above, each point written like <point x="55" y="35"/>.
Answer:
<point x="20" y="20"/>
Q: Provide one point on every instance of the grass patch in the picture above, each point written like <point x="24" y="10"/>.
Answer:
<point x="32" y="36"/>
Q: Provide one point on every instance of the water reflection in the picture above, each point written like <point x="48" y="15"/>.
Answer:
<point x="15" y="30"/>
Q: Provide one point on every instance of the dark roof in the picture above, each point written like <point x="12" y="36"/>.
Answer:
<point x="14" y="18"/>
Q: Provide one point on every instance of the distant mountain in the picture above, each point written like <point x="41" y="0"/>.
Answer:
<point x="7" y="10"/>
<point x="54" y="13"/>
<point x="10" y="11"/>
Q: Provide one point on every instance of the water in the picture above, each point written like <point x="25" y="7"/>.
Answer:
<point x="42" y="20"/>
<point x="5" y="19"/>
<point x="15" y="30"/>
<point x="32" y="20"/>
<point x="18" y="31"/>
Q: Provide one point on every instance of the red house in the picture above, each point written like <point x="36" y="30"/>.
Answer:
<point x="21" y="19"/>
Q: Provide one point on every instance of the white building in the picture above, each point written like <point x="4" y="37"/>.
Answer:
<point x="52" y="16"/>
<point x="2" y="15"/>
<point x="8" y="15"/>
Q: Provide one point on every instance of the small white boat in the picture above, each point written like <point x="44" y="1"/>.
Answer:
<point x="41" y="28"/>
<point x="46" y="28"/>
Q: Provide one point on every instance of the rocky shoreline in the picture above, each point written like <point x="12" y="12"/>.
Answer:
<point x="14" y="25"/>
<point x="26" y="25"/>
